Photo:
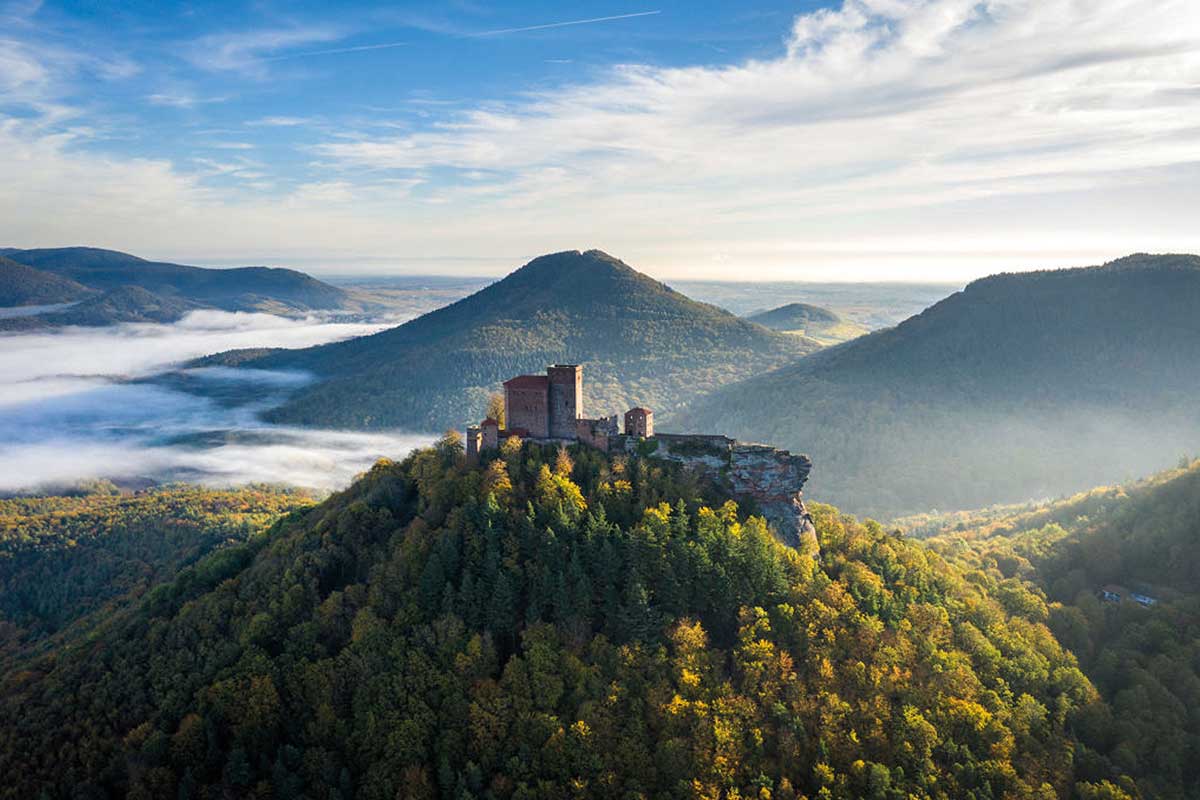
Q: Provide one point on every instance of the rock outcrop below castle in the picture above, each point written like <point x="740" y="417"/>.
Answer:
<point x="772" y="478"/>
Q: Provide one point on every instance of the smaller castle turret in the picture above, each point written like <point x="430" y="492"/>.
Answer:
<point x="639" y="422"/>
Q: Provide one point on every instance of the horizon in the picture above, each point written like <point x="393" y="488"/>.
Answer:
<point x="811" y="141"/>
<point x="829" y="276"/>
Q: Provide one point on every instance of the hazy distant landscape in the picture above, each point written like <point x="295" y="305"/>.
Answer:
<point x="116" y="399"/>
<point x="594" y="401"/>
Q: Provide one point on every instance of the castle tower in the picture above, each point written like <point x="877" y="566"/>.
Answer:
<point x="489" y="434"/>
<point x="473" y="442"/>
<point x="639" y="422"/>
<point x="565" y="400"/>
<point x="525" y="405"/>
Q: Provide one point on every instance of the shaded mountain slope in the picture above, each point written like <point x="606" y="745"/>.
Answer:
<point x="125" y="304"/>
<point x="237" y="289"/>
<point x="22" y="285"/>
<point x="640" y="342"/>
<point x="547" y="628"/>
<point x="1022" y="385"/>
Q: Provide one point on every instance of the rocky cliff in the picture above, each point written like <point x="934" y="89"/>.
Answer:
<point x="772" y="478"/>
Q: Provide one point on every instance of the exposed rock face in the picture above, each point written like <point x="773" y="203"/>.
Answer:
<point x="773" y="478"/>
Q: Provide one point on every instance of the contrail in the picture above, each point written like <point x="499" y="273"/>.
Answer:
<point x="334" y="50"/>
<point x="387" y="45"/>
<point x="565" y="24"/>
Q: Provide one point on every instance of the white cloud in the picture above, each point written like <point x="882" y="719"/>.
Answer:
<point x="181" y="99"/>
<point x="982" y="133"/>
<point x="279" y="122"/>
<point x="246" y="51"/>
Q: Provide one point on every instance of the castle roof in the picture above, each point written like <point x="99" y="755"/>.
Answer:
<point x="489" y="423"/>
<point x="527" y="382"/>
<point x="639" y="410"/>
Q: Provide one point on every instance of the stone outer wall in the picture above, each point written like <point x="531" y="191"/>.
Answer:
<point x="598" y="433"/>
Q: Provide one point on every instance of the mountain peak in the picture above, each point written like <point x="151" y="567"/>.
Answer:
<point x="643" y="344"/>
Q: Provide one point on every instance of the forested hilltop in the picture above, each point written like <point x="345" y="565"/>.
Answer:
<point x="1140" y="642"/>
<point x="558" y="624"/>
<point x="816" y="322"/>
<point x="641" y="343"/>
<point x="1021" y="386"/>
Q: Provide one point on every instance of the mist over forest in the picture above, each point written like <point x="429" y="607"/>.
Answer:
<point x="111" y="403"/>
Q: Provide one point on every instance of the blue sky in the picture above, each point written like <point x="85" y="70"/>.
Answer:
<point x="866" y="139"/>
<point x="213" y="78"/>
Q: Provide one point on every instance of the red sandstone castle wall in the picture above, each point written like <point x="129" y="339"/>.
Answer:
<point x="528" y="408"/>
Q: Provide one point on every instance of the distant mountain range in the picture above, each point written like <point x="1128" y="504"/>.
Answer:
<point x="1022" y="385"/>
<point x="641" y="342"/>
<point x="150" y="290"/>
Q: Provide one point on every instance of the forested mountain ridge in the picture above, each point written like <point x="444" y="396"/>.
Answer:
<point x="22" y="285"/>
<point x="236" y="289"/>
<point x="550" y="625"/>
<point x="123" y="304"/>
<point x="1022" y="385"/>
<point x="641" y="343"/>
<point x="63" y="558"/>
<point x="1141" y="539"/>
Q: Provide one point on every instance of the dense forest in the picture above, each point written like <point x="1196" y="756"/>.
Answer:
<point x="63" y="558"/>
<point x="1023" y="385"/>
<point x="1142" y="539"/>
<point x="555" y="624"/>
<point x="641" y="343"/>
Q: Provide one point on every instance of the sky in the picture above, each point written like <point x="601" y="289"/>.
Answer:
<point x="858" y="140"/>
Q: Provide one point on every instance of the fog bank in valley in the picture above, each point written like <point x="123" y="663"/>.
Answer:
<point x="88" y="403"/>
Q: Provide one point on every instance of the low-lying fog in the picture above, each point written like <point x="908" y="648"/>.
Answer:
<point x="87" y="403"/>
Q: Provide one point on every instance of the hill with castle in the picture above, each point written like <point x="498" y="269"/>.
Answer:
<point x="549" y="409"/>
<point x="642" y="342"/>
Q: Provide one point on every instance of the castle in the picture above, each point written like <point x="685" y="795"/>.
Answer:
<point x="549" y="408"/>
